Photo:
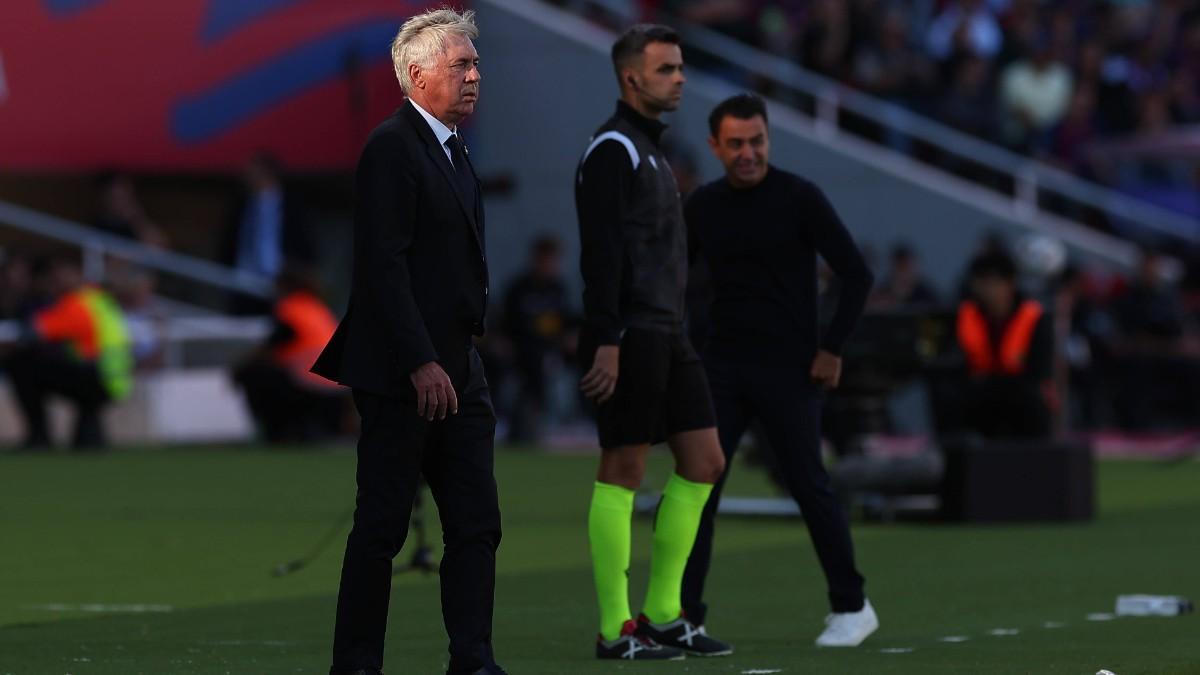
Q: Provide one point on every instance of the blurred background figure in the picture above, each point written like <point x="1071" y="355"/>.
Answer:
<point x="134" y="290"/>
<point x="1159" y="348"/>
<point x="122" y="213"/>
<point x="289" y="403"/>
<point x="964" y="28"/>
<point x="16" y="286"/>
<point x="77" y="348"/>
<point x="903" y="286"/>
<point x="540" y="328"/>
<point x="269" y="228"/>
<point x="1007" y="340"/>
<point x="1035" y="92"/>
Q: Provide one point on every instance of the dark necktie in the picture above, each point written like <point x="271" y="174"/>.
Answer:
<point x="462" y="171"/>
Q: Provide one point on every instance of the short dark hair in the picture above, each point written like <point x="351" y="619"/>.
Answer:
<point x="742" y="106"/>
<point x="996" y="264"/>
<point x="632" y="43"/>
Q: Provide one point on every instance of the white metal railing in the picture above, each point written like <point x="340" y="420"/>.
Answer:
<point x="98" y="247"/>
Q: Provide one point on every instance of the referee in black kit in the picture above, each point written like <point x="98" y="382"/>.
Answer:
<point x="760" y="229"/>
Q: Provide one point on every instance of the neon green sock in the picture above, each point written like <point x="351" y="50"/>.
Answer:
<point x="609" y="522"/>
<point x="674" y="534"/>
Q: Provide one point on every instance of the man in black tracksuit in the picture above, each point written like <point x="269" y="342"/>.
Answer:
<point x="760" y="230"/>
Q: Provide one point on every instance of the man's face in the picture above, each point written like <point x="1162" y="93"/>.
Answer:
<point x="658" y="82"/>
<point x="995" y="293"/>
<point x="547" y="266"/>
<point x="65" y="278"/>
<point x="743" y="148"/>
<point x="451" y="88"/>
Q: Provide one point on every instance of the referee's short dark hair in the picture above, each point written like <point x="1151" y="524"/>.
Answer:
<point x="742" y="107"/>
<point x="632" y="43"/>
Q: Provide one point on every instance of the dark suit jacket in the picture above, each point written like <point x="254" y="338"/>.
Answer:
<point x="420" y="271"/>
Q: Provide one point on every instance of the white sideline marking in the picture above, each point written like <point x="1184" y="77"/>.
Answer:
<point x="102" y="608"/>
<point x="1003" y="632"/>
<point x="254" y="643"/>
<point x="1100" y="616"/>
<point x="954" y="638"/>
<point x="896" y="650"/>
<point x="1053" y="624"/>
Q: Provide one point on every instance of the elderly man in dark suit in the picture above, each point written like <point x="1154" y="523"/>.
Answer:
<point x="405" y="347"/>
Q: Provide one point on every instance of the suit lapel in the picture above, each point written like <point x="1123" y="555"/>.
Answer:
<point x="438" y="156"/>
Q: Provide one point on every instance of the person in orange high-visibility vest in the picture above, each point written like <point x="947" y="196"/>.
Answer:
<point x="288" y="402"/>
<point x="78" y="348"/>
<point x="1007" y="343"/>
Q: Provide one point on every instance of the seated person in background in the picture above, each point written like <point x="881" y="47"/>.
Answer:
<point x="78" y="348"/>
<point x="904" y="287"/>
<point x="1008" y="343"/>
<point x="537" y="321"/>
<point x="1158" y="357"/>
<point x="133" y="288"/>
<point x="16" y="286"/>
<point x="121" y="212"/>
<point x="288" y="402"/>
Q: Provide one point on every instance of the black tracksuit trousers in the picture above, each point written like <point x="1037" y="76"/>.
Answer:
<point x="778" y="391"/>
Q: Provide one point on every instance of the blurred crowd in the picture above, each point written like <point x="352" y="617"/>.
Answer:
<point x="1117" y="351"/>
<point x="1077" y="83"/>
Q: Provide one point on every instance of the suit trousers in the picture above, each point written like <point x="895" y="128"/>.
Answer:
<point x="777" y="391"/>
<point x="456" y="457"/>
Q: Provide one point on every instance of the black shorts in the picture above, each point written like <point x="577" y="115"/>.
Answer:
<point x="661" y="389"/>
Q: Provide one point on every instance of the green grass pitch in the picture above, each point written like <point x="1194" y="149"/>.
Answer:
<point x="194" y="534"/>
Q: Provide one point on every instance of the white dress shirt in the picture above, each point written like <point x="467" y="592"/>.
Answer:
<point x="440" y="130"/>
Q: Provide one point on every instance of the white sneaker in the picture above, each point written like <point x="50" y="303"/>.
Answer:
<point x="849" y="629"/>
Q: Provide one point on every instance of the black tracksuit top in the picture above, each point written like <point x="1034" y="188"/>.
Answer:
<point x="761" y="244"/>
<point x="631" y="230"/>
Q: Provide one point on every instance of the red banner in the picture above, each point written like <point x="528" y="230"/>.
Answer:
<point x="192" y="84"/>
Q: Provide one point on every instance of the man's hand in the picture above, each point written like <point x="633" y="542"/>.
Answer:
<point x="827" y="369"/>
<point x="435" y="393"/>
<point x="601" y="381"/>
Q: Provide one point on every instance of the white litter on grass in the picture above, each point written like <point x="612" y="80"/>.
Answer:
<point x="1053" y="624"/>
<point x="761" y="671"/>
<point x="954" y="638"/>
<point x="1003" y="632"/>
<point x="896" y="650"/>
<point x="102" y="608"/>
<point x="1101" y="616"/>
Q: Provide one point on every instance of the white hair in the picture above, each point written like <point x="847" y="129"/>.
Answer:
<point x="423" y="38"/>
